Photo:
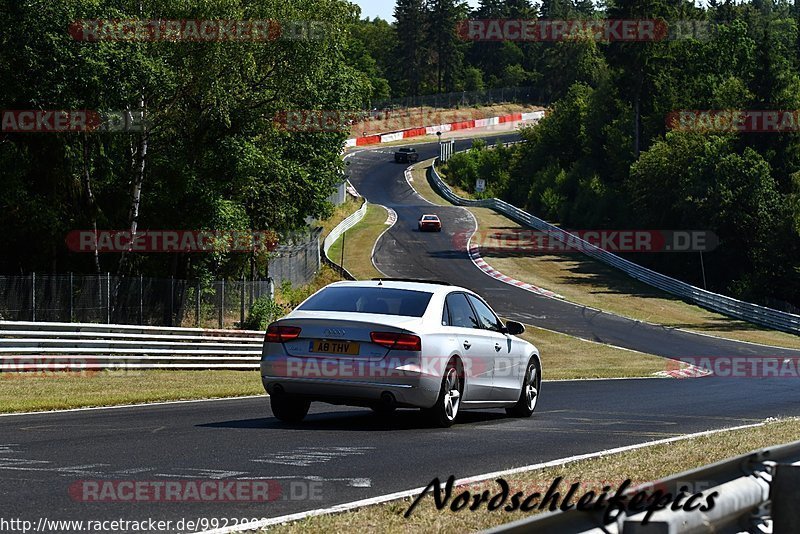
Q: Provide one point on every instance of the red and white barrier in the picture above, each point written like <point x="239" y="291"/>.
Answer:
<point x="444" y="128"/>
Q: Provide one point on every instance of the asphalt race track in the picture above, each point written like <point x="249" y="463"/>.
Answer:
<point x="405" y="252"/>
<point x="339" y="454"/>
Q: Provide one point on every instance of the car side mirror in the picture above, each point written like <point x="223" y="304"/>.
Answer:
<point x="514" y="328"/>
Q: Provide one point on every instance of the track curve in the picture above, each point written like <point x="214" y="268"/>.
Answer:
<point x="340" y="455"/>
<point x="404" y="252"/>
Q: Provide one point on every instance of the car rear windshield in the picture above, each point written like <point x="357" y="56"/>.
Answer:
<point x="431" y="218"/>
<point x="386" y="301"/>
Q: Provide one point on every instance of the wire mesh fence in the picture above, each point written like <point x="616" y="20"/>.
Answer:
<point x="297" y="262"/>
<point x="110" y="299"/>
<point x="137" y="300"/>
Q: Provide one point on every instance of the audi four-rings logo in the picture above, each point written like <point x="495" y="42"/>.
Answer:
<point x="335" y="332"/>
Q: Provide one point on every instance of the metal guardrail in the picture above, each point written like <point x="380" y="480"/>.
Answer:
<point x="757" y="492"/>
<point x="732" y="307"/>
<point x="337" y="232"/>
<point x="76" y="347"/>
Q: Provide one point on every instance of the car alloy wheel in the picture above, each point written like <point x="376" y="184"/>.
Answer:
<point x="445" y="411"/>
<point x="529" y="396"/>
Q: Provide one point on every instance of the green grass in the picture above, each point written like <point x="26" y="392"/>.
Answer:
<point x="582" y="280"/>
<point x="640" y="465"/>
<point x="563" y="357"/>
<point x="566" y="357"/>
<point x="55" y="391"/>
<point x="340" y="213"/>
<point x="358" y="244"/>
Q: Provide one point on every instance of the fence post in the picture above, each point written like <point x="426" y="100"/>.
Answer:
<point x="241" y="306"/>
<point x="108" y="298"/>
<point x="71" y="298"/>
<point x="33" y="297"/>
<point x="221" y="303"/>
<point x="172" y="301"/>
<point x="784" y="492"/>
<point x="197" y="305"/>
<point x="141" y="299"/>
<point x="250" y="292"/>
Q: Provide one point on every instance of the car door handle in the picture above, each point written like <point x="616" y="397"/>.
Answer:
<point x="467" y="345"/>
<point x="497" y="347"/>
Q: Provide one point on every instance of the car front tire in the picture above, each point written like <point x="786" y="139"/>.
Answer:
<point x="289" y="409"/>
<point x="529" y="396"/>
<point x="445" y="411"/>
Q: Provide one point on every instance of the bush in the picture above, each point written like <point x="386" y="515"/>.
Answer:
<point x="264" y="311"/>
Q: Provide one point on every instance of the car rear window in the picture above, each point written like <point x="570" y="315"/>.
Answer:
<point x="386" y="301"/>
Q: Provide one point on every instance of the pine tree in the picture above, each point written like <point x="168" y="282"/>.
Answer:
<point x="447" y="46"/>
<point x="411" y="54"/>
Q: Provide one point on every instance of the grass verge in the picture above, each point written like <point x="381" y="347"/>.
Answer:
<point x="565" y="357"/>
<point x="358" y="244"/>
<point x="340" y="213"/>
<point x="58" y="391"/>
<point x="585" y="281"/>
<point x="640" y="465"/>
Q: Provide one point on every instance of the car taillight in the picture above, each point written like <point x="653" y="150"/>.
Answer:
<point x="395" y="341"/>
<point x="281" y="334"/>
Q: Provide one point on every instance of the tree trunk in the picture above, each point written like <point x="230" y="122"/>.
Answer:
<point x="91" y="203"/>
<point x="637" y="104"/>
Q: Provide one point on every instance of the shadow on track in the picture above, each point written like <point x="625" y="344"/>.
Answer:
<point x="360" y="421"/>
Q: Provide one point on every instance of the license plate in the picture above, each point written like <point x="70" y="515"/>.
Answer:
<point x="335" y="347"/>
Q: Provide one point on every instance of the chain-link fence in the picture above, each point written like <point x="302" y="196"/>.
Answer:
<point x="298" y="262"/>
<point x="105" y="298"/>
<point x="128" y="300"/>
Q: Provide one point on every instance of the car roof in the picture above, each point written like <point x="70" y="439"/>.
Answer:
<point x="410" y="285"/>
<point x="430" y="216"/>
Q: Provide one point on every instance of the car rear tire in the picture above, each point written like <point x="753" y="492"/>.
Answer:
<point x="289" y="409"/>
<point x="529" y="396"/>
<point x="445" y="411"/>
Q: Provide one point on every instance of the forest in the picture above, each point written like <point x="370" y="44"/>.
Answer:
<point x="212" y="156"/>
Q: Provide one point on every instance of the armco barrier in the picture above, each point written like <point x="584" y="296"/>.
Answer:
<point x="753" y="313"/>
<point x="77" y="347"/>
<point x="756" y="492"/>
<point x="337" y="232"/>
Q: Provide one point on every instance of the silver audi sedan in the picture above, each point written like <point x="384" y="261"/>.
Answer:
<point x="385" y="344"/>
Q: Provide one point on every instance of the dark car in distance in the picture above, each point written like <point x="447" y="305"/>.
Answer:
<point x="406" y="155"/>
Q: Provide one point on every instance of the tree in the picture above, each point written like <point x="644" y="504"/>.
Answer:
<point x="444" y="18"/>
<point x="411" y="54"/>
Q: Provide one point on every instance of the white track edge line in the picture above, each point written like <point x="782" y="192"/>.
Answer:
<point x="375" y="244"/>
<point x="469" y="480"/>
